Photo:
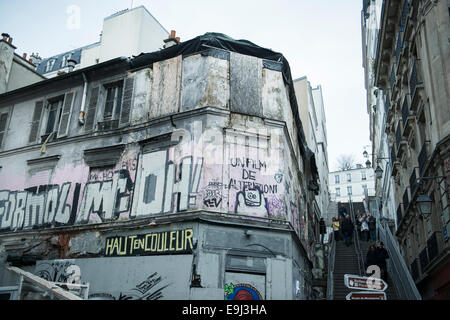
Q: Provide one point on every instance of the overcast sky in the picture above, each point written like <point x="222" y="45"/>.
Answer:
<point x="321" y="40"/>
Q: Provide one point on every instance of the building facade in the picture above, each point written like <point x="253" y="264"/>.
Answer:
<point x="411" y="69"/>
<point x="312" y="115"/>
<point x="126" y="33"/>
<point x="352" y="185"/>
<point x="377" y="110"/>
<point x="15" y="70"/>
<point x="188" y="173"/>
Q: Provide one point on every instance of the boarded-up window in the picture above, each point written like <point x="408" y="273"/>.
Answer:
<point x="246" y="84"/>
<point x="3" y="125"/>
<point x="66" y="114"/>
<point x="39" y="106"/>
<point x="92" y="110"/>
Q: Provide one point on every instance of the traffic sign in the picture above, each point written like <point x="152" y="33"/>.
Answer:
<point x="364" y="283"/>
<point x="366" y="295"/>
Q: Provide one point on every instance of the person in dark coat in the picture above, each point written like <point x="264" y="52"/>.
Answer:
<point x="323" y="230"/>
<point x="371" y="257"/>
<point x="347" y="229"/>
<point x="372" y="222"/>
<point x="381" y="256"/>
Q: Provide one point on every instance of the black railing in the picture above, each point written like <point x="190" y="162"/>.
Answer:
<point x="432" y="247"/>
<point x="423" y="158"/>
<point x="405" y="12"/>
<point x="415" y="269"/>
<point x="398" y="135"/>
<point x="108" y="125"/>
<point x="399" y="214"/>
<point x="413" y="80"/>
<point x="387" y="103"/>
<point x="413" y="182"/>
<point x="423" y="257"/>
<point x="393" y="158"/>
<point x="398" y="46"/>
<point x="405" y="111"/>
<point x="392" y="79"/>
<point x="405" y="200"/>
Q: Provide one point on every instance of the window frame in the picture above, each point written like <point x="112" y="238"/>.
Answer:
<point x="49" y="102"/>
<point x="350" y="190"/>
<point x="8" y="112"/>
<point x="50" y="65"/>
<point x="115" y="113"/>
<point x="337" y="179"/>
<point x="65" y="60"/>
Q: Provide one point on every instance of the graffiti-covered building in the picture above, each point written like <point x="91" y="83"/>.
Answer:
<point x="178" y="174"/>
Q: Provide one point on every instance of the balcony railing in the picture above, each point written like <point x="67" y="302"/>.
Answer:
<point x="398" y="47"/>
<point x="393" y="157"/>
<point x="398" y="135"/>
<point x="432" y="246"/>
<point x="387" y="103"/>
<point x="413" y="182"/>
<point x="399" y="214"/>
<point x="405" y="200"/>
<point x="413" y="80"/>
<point x="415" y="269"/>
<point x="405" y="12"/>
<point x="108" y="125"/>
<point x="392" y="79"/>
<point x="405" y="112"/>
<point x="423" y="158"/>
<point x="424" y="261"/>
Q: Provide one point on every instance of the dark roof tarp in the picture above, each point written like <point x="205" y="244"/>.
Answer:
<point x="221" y="41"/>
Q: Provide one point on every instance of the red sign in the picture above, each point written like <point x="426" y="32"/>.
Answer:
<point x="364" y="283"/>
<point x="366" y="295"/>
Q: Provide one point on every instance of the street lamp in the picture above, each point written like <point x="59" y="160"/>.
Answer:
<point x="424" y="203"/>
<point x="379" y="172"/>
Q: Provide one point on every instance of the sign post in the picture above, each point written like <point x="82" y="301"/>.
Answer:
<point x="365" y="283"/>
<point x="372" y="288"/>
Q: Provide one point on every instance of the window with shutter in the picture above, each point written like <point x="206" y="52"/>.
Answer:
<point x="66" y="114"/>
<point x="3" y="125"/>
<point x="127" y="101"/>
<point x="39" y="106"/>
<point x="91" y="110"/>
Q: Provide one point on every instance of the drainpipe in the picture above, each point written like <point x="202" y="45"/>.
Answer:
<point x="83" y="102"/>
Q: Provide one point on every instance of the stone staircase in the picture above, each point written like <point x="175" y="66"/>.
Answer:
<point x="346" y="262"/>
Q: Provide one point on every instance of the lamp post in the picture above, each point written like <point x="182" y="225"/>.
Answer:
<point x="424" y="202"/>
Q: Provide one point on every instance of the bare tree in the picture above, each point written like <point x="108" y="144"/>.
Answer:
<point x="346" y="162"/>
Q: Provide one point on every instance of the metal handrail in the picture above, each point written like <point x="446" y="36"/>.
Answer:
<point x="398" y="271"/>
<point x="331" y="261"/>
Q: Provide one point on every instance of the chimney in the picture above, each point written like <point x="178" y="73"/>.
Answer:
<point x="5" y="36"/>
<point x="10" y="40"/>
<point x="172" y="41"/>
<point x="24" y="56"/>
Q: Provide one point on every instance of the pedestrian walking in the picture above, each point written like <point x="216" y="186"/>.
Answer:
<point x="381" y="256"/>
<point x="336" y="229"/>
<point x="323" y="230"/>
<point x="372" y="222"/>
<point x="364" y="228"/>
<point x="341" y="232"/>
<point x="347" y="229"/>
<point x="371" y="257"/>
<point x="358" y="225"/>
